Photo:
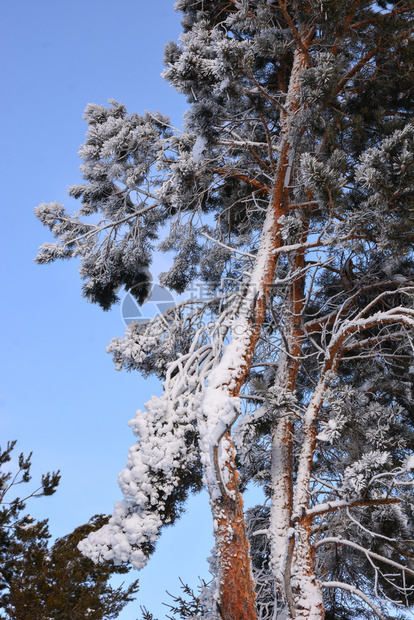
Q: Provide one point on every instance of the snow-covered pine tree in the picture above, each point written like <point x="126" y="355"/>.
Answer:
<point x="289" y="194"/>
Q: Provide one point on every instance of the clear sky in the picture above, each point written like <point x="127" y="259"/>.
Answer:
<point x="60" y="394"/>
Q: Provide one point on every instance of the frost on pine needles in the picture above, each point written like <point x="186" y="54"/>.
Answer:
<point x="287" y="198"/>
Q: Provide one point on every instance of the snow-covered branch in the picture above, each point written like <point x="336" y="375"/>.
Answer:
<point x="354" y="590"/>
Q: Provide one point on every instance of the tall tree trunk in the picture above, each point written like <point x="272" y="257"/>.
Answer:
<point x="281" y="506"/>
<point x="308" y="603"/>
<point x="236" y="591"/>
<point x="237" y="595"/>
<point x="284" y="547"/>
<point x="282" y="436"/>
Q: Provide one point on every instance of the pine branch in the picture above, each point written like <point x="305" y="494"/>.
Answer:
<point x="354" y="590"/>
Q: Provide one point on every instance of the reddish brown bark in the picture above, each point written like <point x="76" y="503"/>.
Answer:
<point x="237" y="595"/>
<point x="282" y="437"/>
<point x="236" y="589"/>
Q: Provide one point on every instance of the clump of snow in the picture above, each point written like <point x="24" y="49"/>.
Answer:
<point x="149" y="479"/>
<point x="198" y="149"/>
<point x="331" y="429"/>
<point x="358" y="476"/>
<point x="128" y="527"/>
<point x="409" y="463"/>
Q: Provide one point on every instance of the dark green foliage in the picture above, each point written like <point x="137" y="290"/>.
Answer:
<point x="187" y="605"/>
<point x="14" y="523"/>
<point x="58" y="582"/>
<point x="39" y="581"/>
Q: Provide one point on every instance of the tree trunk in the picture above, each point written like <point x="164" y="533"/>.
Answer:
<point x="307" y="598"/>
<point x="281" y="506"/>
<point x="236" y="589"/>
<point x="237" y="595"/>
<point x="282" y="436"/>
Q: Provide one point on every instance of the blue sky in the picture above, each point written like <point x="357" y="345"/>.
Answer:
<point x="60" y="395"/>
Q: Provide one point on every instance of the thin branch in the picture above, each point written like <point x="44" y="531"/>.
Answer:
<point x="227" y="247"/>
<point x="343" y="503"/>
<point x="295" y="33"/>
<point x="361" y="63"/>
<point x="113" y="224"/>
<point x="370" y="554"/>
<point x="354" y="590"/>
<point x="266" y="94"/>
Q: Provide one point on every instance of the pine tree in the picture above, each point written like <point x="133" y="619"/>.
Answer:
<point x="58" y="582"/>
<point x="289" y="195"/>
<point x="44" y="582"/>
<point x="15" y="526"/>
